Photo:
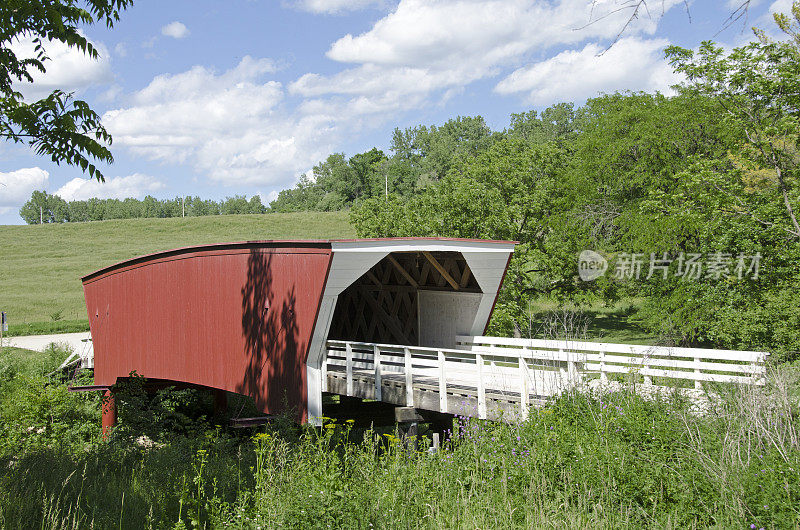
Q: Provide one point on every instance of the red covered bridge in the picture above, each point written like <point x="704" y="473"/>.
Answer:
<point x="260" y="318"/>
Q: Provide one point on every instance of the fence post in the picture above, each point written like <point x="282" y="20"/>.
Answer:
<point x="646" y="366"/>
<point x="324" y="369"/>
<point x="442" y="384"/>
<point x="523" y="387"/>
<point x="697" y="384"/>
<point x="572" y="366"/>
<point x="349" y="363"/>
<point x="603" y="376"/>
<point x="409" y="382"/>
<point x="377" y="362"/>
<point x="481" y="387"/>
<point x="756" y="377"/>
<point x="560" y="362"/>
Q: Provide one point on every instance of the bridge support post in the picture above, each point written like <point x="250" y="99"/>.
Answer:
<point x="314" y="395"/>
<point x="408" y="419"/>
<point x="109" y="407"/>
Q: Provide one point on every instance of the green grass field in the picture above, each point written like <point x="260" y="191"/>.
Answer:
<point x="41" y="265"/>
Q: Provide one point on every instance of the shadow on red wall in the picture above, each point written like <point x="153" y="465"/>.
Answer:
<point x="275" y="375"/>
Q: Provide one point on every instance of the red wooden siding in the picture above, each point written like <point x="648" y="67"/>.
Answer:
<point x="236" y="317"/>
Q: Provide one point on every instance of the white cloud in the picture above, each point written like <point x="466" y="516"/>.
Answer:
<point x="68" y="68"/>
<point x="16" y="187"/>
<point x="176" y="30"/>
<point x="136" y="185"/>
<point x="632" y="64"/>
<point x="426" y="46"/>
<point x="335" y="6"/>
<point x="111" y="93"/>
<point x="267" y="198"/>
<point x="230" y="126"/>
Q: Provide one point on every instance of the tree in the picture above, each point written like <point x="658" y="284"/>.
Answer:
<point x="757" y="89"/>
<point x="60" y="127"/>
<point x="44" y="208"/>
<point x="554" y="124"/>
<point x="738" y="203"/>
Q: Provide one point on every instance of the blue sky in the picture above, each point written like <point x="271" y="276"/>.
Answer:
<point x="215" y="98"/>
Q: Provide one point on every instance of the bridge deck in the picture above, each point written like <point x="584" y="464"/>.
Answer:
<point x="461" y="394"/>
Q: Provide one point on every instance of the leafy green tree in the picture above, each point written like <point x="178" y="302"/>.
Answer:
<point x="431" y="151"/>
<point x="741" y="202"/>
<point x="58" y="126"/>
<point x="305" y="196"/>
<point x="45" y="208"/>
<point x="554" y="124"/>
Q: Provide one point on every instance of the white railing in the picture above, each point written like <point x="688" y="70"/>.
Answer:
<point x="695" y="364"/>
<point x="521" y="370"/>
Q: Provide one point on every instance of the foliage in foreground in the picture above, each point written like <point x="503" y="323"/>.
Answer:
<point x="613" y="461"/>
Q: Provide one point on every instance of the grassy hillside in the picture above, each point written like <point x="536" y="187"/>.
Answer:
<point x="41" y="265"/>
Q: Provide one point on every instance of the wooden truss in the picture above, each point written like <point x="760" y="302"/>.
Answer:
<point x="381" y="306"/>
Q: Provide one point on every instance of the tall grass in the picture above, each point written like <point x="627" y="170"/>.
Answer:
<point x="605" y="461"/>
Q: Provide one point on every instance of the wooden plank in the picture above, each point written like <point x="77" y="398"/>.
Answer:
<point x="402" y="271"/>
<point x="692" y="376"/>
<point x="481" y="387"/>
<point x="423" y="275"/>
<point x="240" y="423"/>
<point x="386" y="272"/>
<point x="465" y="274"/>
<point x="324" y="371"/>
<point x="697" y="384"/>
<point x="378" y="382"/>
<point x="349" y="361"/>
<point x="679" y="363"/>
<point x="470" y="341"/>
<point x="374" y="279"/>
<point x="438" y="266"/>
<point x="442" y="384"/>
<point x="409" y="377"/>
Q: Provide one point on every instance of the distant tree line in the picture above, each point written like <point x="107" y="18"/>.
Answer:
<point x="43" y="207"/>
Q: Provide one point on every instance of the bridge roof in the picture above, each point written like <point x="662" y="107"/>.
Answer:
<point x="396" y="244"/>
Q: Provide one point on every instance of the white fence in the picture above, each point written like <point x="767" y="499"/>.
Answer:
<point x="521" y="371"/>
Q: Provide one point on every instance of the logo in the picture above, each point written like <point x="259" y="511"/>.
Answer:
<point x="591" y="265"/>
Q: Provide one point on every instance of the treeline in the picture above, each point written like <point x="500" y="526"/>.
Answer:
<point x="692" y="200"/>
<point x="45" y="208"/>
